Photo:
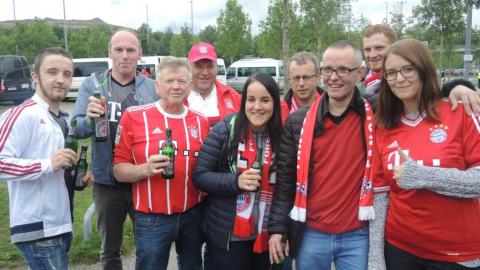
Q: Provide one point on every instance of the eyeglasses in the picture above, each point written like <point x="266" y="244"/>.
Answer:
<point x="407" y="72"/>
<point x="172" y="81"/>
<point x="305" y="78"/>
<point x="341" y="71"/>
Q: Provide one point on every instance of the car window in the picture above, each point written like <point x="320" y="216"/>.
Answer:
<point x="84" y="69"/>
<point x="231" y="73"/>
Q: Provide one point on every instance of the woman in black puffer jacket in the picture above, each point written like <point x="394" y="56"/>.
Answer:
<point x="235" y="167"/>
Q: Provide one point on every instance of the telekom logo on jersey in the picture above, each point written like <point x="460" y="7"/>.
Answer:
<point x="115" y="111"/>
<point x="394" y="159"/>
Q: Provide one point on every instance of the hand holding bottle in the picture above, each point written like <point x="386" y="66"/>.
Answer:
<point x="156" y="164"/>
<point x="249" y="180"/>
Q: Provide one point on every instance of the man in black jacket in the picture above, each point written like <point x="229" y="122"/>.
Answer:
<point x="335" y="172"/>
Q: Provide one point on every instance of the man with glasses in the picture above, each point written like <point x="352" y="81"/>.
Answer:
<point x="120" y="88"/>
<point x="317" y="201"/>
<point x="378" y="38"/>
<point x="304" y="78"/>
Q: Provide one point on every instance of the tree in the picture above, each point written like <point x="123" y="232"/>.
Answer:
<point x="320" y="17"/>
<point x="76" y="42"/>
<point x="186" y="33"/>
<point x="285" y="36"/>
<point x="97" y="42"/>
<point x="32" y="38"/>
<point x="442" y="16"/>
<point x="208" y="34"/>
<point x="178" y="46"/>
<point x="164" y="40"/>
<point x="145" y="35"/>
<point x="234" y="32"/>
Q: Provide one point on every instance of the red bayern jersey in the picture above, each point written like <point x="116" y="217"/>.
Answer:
<point x="419" y="221"/>
<point x="142" y="134"/>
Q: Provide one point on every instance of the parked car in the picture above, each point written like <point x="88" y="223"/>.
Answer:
<point x="15" y="79"/>
<point x="84" y="67"/>
<point x="239" y="71"/>
<point x="221" y="72"/>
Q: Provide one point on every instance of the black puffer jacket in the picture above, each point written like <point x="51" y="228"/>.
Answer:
<point x="211" y="175"/>
<point x="284" y="195"/>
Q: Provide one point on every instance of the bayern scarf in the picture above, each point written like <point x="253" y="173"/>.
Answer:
<point x="299" y="209"/>
<point x="372" y="82"/>
<point x="244" y="223"/>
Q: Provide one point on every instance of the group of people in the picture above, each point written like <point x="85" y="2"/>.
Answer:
<point x="384" y="180"/>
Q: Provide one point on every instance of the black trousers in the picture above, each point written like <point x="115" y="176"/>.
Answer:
<point x="397" y="259"/>
<point x="240" y="256"/>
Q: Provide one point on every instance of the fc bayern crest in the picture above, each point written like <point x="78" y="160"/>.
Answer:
<point x="229" y="103"/>
<point x="243" y="201"/>
<point x="438" y="134"/>
<point x="194" y="132"/>
<point x="203" y="49"/>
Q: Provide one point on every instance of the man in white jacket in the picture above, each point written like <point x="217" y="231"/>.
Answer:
<point x="32" y="160"/>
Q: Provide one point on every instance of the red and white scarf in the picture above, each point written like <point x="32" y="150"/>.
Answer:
<point x="299" y="209"/>
<point x="243" y="224"/>
<point x="372" y="82"/>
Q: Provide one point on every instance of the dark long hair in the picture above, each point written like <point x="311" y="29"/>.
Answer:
<point x="390" y="108"/>
<point x="274" y="124"/>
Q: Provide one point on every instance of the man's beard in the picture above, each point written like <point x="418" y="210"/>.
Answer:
<point x="50" y="95"/>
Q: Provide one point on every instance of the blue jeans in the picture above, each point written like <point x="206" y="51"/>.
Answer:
<point x="347" y="250"/>
<point x="155" y="233"/>
<point x="46" y="254"/>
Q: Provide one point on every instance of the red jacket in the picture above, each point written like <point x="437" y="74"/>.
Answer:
<point x="228" y="102"/>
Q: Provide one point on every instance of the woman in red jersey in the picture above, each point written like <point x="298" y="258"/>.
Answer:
<point x="235" y="169"/>
<point x="426" y="177"/>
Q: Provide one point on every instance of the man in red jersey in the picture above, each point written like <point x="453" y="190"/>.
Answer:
<point x="209" y="96"/>
<point x="378" y="38"/>
<point x="166" y="211"/>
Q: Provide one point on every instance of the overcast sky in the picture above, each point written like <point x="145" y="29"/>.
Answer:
<point x="173" y="13"/>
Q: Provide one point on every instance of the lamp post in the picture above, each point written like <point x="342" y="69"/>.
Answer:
<point x="65" y="27"/>
<point x="15" y="21"/>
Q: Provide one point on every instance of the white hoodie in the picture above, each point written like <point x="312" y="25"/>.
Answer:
<point x="39" y="205"/>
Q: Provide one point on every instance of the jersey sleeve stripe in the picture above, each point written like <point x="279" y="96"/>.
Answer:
<point x="36" y="168"/>
<point x="475" y="121"/>
<point x="12" y="116"/>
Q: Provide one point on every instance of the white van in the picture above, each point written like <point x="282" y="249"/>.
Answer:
<point x="150" y="63"/>
<point x="239" y="71"/>
<point x="221" y="71"/>
<point x="84" y="67"/>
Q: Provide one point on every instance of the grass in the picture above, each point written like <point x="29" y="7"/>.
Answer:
<point x="81" y="251"/>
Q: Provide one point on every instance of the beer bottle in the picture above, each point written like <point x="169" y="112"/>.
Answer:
<point x="81" y="169"/>
<point x="100" y="123"/>
<point x="71" y="141"/>
<point x="257" y="164"/>
<point x="169" y="151"/>
<point x="279" y="265"/>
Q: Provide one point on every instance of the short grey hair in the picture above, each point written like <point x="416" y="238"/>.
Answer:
<point x="342" y="44"/>
<point x="174" y="63"/>
<point x="302" y="58"/>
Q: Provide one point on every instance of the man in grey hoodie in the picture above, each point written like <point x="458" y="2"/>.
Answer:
<point x="120" y="88"/>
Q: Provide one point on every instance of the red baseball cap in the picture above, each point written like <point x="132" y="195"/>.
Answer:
<point x="202" y="50"/>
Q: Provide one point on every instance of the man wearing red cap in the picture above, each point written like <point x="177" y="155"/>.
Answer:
<point x="209" y="96"/>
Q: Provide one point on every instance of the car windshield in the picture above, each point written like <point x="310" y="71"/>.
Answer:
<point x="13" y="68"/>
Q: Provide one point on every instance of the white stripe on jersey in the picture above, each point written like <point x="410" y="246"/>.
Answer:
<point x="199" y="130"/>
<point x="147" y="145"/>
<point x="167" y="188"/>
<point x="475" y="120"/>
<point x="187" y="161"/>
<point x="141" y="107"/>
